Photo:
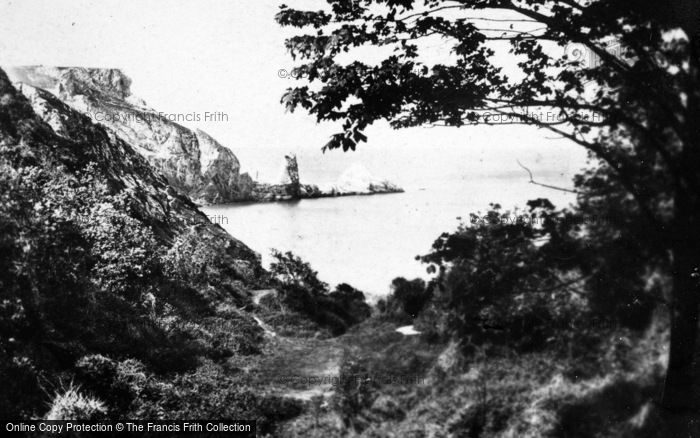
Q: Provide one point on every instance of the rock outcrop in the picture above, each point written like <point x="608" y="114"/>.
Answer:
<point x="353" y="182"/>
<point x="191" y="161"/>
<point x="357" y="180"/>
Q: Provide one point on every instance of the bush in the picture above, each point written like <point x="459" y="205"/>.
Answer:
<point x="355" y="393"/>
<point x="73" y="405"/>
<point x="126" y="254"/>
<point x="84" y="280"/>
<point x="207" y="265"/>
<point x="353" y="301"/>
<point x="408" y="298"/>
<point x="212" y="392"/>
<point x="118" y="383"/>
<point x="292" y="270"/>
<point x="501" y="286"/>
<point x="301" y="291"/>
<point x="231" y="334"/>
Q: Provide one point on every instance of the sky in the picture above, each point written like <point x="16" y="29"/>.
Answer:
<point x="226" y="55"/>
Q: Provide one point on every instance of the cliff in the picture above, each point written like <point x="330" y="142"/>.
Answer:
<point x="191" y="161"/>
<point x="49" y="131"/>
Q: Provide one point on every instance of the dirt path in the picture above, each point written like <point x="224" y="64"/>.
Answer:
<point x="301" y="368"/>
<point x="266" y="328"/>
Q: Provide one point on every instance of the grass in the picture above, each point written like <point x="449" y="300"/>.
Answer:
<point x="537" y="394"/>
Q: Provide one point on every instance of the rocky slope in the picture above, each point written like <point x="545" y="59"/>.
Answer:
<point x="114" y="281"/>
<point x="37" y="119"/>
<point x="192" y="161"/>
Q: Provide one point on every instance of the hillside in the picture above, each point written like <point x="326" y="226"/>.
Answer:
<point x="118" y="297"/>
<point x="191" y="161"/>
<point x="102" y="263"/>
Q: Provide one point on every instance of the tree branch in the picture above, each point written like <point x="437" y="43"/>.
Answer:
<point x="532" y="181"/>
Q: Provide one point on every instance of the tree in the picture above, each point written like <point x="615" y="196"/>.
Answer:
<point x="409" y="297"/>
<point x="505" y="279"/>
<point x="636" y="109"/>
<point x="292" y="270"/>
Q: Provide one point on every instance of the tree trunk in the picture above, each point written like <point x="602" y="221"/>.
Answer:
<point x="682" y="385"/>
<point x="682" y="381"/>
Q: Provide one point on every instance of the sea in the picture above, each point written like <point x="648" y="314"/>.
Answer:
<point x="367" y="241"/>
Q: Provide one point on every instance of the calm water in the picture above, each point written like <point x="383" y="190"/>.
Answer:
<point x="369" y="240"/>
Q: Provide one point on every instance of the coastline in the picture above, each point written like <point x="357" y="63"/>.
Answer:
<point x="275" y="197"/>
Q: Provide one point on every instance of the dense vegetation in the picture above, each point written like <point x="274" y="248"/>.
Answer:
<point x="515" y="340"/>
<point x="305" y="301"/>
<point x="643" y="143"/>
<point x="118" y="299"/>
<point x="91" y="296"/>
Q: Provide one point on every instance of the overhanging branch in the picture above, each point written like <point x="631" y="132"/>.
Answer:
<point x="532" y="181"/>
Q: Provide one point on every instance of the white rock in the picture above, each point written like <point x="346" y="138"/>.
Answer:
<point x="408" y="330"/>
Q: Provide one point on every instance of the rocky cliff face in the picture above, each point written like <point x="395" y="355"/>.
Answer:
<point x="191" y="161"/>
<point x="51" y="131"/>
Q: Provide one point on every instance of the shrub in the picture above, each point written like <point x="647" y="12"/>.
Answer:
<point x="292" y="270"/>
<point x="211" y="392"/>
<point x="73" y="405"/>
<point x="126" y="254"/>
<point x="355" y="393"/>
<point x="207" y="265"/>
<point x="353" y="301"/>
<point x="408" y="297"/>
<point x="233" y="333"/>
<point x="118" y="383"/>
<point x="502" y="286"/>
<point x="297" y="325"/>
<point x="301" y="291"/>
<point x="382" y="306"/>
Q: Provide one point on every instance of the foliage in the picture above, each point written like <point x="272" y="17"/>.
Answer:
<point x="88" y="292"/>
<point x="318" y="307"/>
<point x="469" y="86"/>
<point x="408" y="298"/>
<point x="111" y="279"/>
<point x="532" y="394"/>
<point x="353" y="301"/>
<point x="73" y="405"/>
<point x="354" y="393"/>
<point x="293" y="271"/>
<point x="21" y="392"/>
<point x="301" y="291"/>
<point x="127" y="255"/>
<point x="212" y="392"/>
<point x="117" y="383"/>
<point x="507" y="282"/>
<point x="630" y="100"/>
<point x="205" y="264"/>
